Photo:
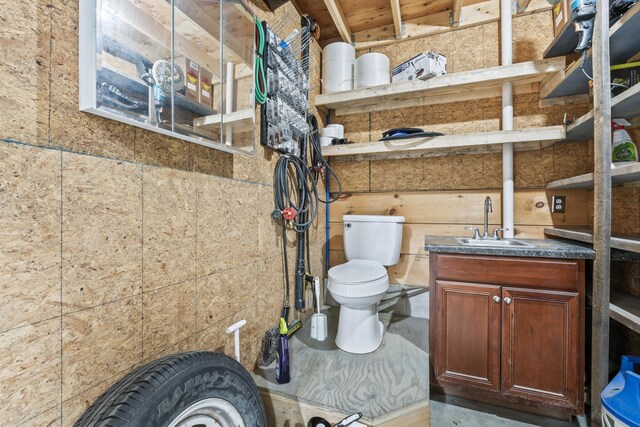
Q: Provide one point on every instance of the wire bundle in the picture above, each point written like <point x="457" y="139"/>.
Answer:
<point x="260" y="78"/>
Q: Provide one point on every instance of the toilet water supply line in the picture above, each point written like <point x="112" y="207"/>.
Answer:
<point x="507" y="119"/>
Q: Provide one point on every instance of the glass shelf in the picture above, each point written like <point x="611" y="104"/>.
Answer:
<point x="171" y="66"/>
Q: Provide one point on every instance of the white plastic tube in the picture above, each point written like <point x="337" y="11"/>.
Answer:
<point x="235" y="330"/>
<point x="228" y="104"/>
<point x="507" y="119"/>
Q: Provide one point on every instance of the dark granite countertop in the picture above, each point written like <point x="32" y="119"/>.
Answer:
<point x="541" y="248"/>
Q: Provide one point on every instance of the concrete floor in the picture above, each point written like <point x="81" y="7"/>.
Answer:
<point x="447" y="411"/>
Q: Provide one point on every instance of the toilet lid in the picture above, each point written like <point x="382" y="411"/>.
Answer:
<point x="358" y="271"/>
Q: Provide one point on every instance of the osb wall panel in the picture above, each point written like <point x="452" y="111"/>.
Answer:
<point x="118" y="244"/>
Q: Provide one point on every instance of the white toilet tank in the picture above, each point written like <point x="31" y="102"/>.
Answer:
<point x="373" y="237"/>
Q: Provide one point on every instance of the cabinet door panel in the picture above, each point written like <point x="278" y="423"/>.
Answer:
<point x="540" y="340"/>
<point x="468" y="334"/>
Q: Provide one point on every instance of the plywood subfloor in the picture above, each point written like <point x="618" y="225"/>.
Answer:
<point x="392" y="378"/>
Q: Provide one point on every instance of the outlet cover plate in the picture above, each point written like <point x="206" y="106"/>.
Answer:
<point x="558" y="204"/>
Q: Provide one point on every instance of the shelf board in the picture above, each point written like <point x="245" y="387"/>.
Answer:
<point x="624" y="43"/>
<point x="240" y="118"/>
<point x="418" y="146"/>
<point x="619" y="175"/>
<point x="625" y="308"/>
<point x="625" y="105"/>
<point x="563" y="44"/>
<point x="621" y="242"/>
<point x="475" y="84"/>
<point x="124" y="83"/>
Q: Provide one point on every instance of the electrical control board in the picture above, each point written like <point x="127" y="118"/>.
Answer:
<point x="284" y="122"/>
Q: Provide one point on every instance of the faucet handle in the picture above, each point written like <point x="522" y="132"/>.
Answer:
<point x="476" y="232"/>
<point x="495" y="232"/>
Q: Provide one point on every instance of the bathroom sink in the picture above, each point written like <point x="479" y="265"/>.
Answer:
<point x="493" y="243"/>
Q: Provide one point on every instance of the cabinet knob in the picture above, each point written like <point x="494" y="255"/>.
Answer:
<point x="496" y="299"/>
<point x="507" y="300"/>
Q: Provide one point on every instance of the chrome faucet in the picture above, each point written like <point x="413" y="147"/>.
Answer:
<point x="488" y="207"/>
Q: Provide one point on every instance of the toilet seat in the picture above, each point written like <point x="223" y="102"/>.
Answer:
<point x="358" y="278"/>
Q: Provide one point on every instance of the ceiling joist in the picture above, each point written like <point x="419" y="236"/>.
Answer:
<point x="397" y="18"/>
<point x="337" y="15"/>
<point x="470" y="15"/>
<point x="455" y="13"/>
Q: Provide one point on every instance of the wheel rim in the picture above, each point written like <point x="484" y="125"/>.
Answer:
<point x="212" y="412"/>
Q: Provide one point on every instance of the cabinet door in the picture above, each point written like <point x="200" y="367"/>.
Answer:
<point x="540" y="345"/>
<point x="467" y="341"/>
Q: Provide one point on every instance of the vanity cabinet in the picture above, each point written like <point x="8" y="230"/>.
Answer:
<point x="509" y="330"/>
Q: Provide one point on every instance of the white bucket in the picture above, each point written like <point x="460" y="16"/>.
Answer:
<point x="337" y="67"/>
<point x="339" y="127"/>
<point x="332" y="132"/>
<point x="372" y="69"/>
<point x="325" y="141"/>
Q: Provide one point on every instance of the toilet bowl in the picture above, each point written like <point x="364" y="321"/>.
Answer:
<point x="371" y="243"/>
<point x="358" y="286"/>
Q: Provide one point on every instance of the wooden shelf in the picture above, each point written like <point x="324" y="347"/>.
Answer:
<point x="621" y="242"/>
<point x="619" y="175"/>
<point x="240" y="118"/>
<point x="625" y="105"/>
<point x="564" y="43"/>
<point x="624" y="43"/>
<point x="419" y="146"/>
<point x="625" y="308"/>
<point x="475" y="84"/>
<point x="136" y="85"/>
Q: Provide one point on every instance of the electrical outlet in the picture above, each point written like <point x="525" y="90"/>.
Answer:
<point x="558" y="204"/>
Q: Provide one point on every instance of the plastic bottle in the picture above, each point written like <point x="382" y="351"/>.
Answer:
<point x="282" y="361"/>
<point x="623" y="149"/>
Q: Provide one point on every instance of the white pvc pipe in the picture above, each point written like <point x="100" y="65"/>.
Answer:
<point x="228" y="104"/>
<point x="235" y="330"/>
<point x="507" y="118"/>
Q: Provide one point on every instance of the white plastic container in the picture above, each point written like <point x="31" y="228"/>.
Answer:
<point x="332" y="132"/>
<point x="372" y="69"/>
<point x="339" y="128"/>
<point x="325" y="141"/>
<point x="337" y="67"/>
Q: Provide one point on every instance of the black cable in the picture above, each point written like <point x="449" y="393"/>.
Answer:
<point x="318" y="161"/>
<point x="285" y="305"/>
<point x="290" y="176"/>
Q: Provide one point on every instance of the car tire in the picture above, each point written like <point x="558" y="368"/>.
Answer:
<point x="186" y="389"/>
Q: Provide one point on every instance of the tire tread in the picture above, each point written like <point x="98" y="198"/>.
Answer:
<point x="114" y="407"/>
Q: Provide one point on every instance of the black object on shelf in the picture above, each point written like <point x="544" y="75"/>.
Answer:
<point x="274" y="4"/>
<point x="407" y="133"/>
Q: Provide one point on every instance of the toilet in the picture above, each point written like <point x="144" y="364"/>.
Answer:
<point x="371" y="242"/>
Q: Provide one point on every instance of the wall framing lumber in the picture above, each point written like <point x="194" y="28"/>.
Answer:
<point x="397" y="17"/>
<point x="340" y="21"/>
<point x="602" y="209"/>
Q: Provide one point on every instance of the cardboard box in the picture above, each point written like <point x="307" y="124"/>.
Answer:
<point x="206" y="88"/>
<point x="191" y="72"/>
<point x="561" y="16"/>
<point x="422" y="66"/>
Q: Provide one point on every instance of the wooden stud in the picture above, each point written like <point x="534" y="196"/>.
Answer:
<point x="335" y="10"/>
<point x="455" y="13"/>
<point x="397" y="17"/>
<point x="602" y="209"/>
